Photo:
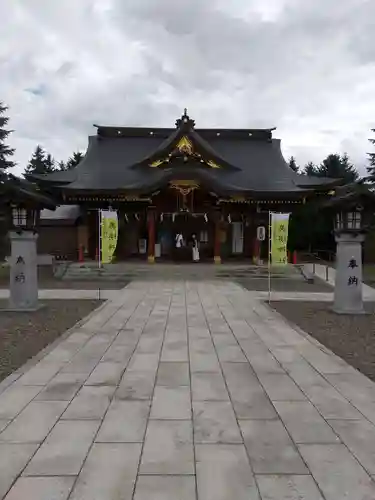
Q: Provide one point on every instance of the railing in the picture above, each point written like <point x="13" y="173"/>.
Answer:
<point x="331" y="256"/>
<point x="320" y="255"/>
<point x="314" y="258"/>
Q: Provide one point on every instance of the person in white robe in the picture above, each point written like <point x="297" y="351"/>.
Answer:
<point x="195" y="249"/>
<point x="179" y="240"/>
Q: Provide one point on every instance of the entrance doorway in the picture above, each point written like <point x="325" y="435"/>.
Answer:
<point x="186" y="226"/>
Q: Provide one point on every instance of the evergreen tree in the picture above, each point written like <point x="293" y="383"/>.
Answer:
<point x="310" y="169"/>
<point x="37" y="164"/>
<point x="5" y="150"/>
<point x="49" y="163"/>
<point x="61" y="166"/>
<point x="351" y="172"/>
<point x="74" y="160"/>
<point x="371" y="168"/>
<point x="293" y="165"/>
<point x="338" y="167"/>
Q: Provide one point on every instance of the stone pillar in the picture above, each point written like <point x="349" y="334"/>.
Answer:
<point x="348" y="282"/>
<point x="217" y="242"/>
<point x="23" y="271"/>
<point x="151" y="237"/>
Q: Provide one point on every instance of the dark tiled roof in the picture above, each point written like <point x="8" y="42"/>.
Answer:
<point x="119" y="158"/>
<point x="16" y="190"/>
<point x="351" y="194"/>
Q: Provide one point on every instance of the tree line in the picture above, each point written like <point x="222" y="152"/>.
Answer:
<point x="335" y="165"/>
<point x="42" y="162"/>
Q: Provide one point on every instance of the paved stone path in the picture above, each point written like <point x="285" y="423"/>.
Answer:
<point x="183" y="391"/>
<point x="65" y="294"/>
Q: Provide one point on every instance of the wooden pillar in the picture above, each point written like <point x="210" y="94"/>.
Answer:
<point x="83" y="239"/>
<point x="151" y="236"/>
<point x="217" y="242"/>
<point x="256" y="250"/>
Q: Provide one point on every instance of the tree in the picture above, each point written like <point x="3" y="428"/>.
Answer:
<point x="293" y="165"/>
<point x="61" y="166"/>
<point x="74" y="160"/>
<point x="351" y="172"/>
<point x="371" y="168"/>
<point x="39" y="163"/>
<point x="319" y="235"/>
<point x="50" y="163"/>
<point x="5" y="150"/>
<point x="310" y="169"/>
<point x="338" y="167"/>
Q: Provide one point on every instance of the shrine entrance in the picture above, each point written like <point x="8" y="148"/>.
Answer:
<point x="163" y="228"/>
<point x="175" y="237"/>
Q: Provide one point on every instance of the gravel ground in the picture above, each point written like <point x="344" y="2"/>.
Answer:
<point x="47" y="280"/>
<point x="284" y="285"/>
<point x="23" y="335"/>
<point x="53" y="284"/>
<point x="350" y="337"/>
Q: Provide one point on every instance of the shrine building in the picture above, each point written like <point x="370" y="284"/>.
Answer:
<point x="218" y="184"/>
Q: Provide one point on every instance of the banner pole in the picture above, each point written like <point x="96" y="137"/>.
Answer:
<point x="99" y="242"/>
<point x="100" y="239"/>
<point x="269" y="255"/>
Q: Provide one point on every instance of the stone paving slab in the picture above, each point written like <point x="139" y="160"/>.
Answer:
<point x="187" y="390"/>
<point x="41" y="488"/>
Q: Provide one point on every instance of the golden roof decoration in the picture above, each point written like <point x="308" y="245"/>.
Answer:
<point x="212" y="164"/>
<point x="185" y="146"/>
<point x="156" y="163"/>
<point x="184" y="186"/>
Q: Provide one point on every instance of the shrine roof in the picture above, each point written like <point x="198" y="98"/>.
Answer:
<point x="14" y="190"/>
<point x="348" y="195"/>
<point x="141" y="159"/>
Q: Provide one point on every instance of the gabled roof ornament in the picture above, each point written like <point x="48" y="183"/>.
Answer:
<point x="185" y="121"/>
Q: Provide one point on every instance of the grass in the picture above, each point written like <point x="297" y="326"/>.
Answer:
<point x="369" y="274"/>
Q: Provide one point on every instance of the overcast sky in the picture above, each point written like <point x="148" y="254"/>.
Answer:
<point x="304" y="66"/>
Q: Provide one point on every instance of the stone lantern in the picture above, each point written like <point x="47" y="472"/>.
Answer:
<point x="23" y="237"/>
<point x="23" y="203"/>
<point x="24" y="217"/>
<point x="354" y="207"/>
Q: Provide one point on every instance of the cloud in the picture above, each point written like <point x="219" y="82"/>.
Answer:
<point x="306" y="67"/>
<point x="38" y="90"/>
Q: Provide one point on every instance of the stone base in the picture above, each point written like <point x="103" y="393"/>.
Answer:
<point x="217" y="259"/>
<point x="359" y="312"/>
<point x="13" y="309"/>
<point x="151" y="259"/>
